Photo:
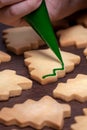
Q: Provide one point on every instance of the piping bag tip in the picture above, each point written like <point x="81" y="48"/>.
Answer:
<point x="40" y="21"/>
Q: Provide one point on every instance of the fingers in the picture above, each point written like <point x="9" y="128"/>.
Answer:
<point x="19" y="23"/>
<point x="60" y="9"/>
<point x="18" y="10"/>
<point x="8" y="2"/>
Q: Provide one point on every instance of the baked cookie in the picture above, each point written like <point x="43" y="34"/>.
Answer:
<point x="76" y="35"/>
<point x="81" y="122"/>
<point x="37" y="114"/>
<point x="42" y="62"/>
<point x="74" y="89"/>
<point x="21" y="39"/>
<point x="12" y="84"/>
<point x="4" y="57"/>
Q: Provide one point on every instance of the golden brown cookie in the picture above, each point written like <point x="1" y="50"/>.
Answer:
<point x="42" y="62"/>
<point x="37" y="114"/>
<point x="4" y="57"/>
<point x="21" y="39"/>
<point x="12" y="84"/>
<point x="74" y="89"/>
<point x="81" y="122"/>
<point x="76" y="35"/>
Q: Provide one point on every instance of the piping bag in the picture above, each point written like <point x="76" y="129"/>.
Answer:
<point x="40" y="21"/>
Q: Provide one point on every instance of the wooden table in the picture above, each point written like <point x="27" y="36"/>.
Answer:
<point x="38" y="91"/>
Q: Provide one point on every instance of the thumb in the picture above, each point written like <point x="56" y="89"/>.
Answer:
<point x="16" y="11"/>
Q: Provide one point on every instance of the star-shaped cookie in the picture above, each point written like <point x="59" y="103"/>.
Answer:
<point x="74" y="89"/>
<point x="42" y="62"/>
<point x="21" y="39"/>
<point x="12" y="84"/>
<point x="81" y="122"/>
<point x="37" y="114"/>
<point x="76" y="35"/>
<point x="4" y="57"/>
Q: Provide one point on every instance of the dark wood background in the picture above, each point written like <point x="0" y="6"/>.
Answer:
<point x="38" y="91"/>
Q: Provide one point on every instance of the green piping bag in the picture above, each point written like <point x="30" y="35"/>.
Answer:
<point x="40" y="21"/>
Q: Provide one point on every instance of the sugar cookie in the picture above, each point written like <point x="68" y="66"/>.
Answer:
<point x="81" y="122"/>
<point x="76" y="35"/>
<point x="21" y="39"/>
<point x="37" y="114"/>
<point x="4" y="57"/>
<point x="12" y="84"/>
<point x="42" y="62"/>
<point x="74" y="89"/>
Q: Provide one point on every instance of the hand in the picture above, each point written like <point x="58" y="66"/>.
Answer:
<point x="59" y="9"/>
<point x="12" y="11"/>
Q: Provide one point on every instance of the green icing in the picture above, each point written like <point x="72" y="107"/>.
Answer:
<point x="40" y="21"/>
<point x="54" y="71"/>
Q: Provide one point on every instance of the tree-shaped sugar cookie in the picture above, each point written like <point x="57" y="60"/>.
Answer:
<point x="21" y="39"/>
<point x="37" y="114"/>
<point x="12" y="84"/>
<point x="4" y="57"/>
<point x="42" y="62"/>
<point x="74" y="89"/>
<point x="76" y="35"/>
<point x="81" y="122"/>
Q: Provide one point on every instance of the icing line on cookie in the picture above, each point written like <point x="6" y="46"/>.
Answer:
<point x="54" y="71"/>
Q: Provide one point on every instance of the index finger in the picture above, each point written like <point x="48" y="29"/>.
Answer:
<point x="4" y="3"/>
